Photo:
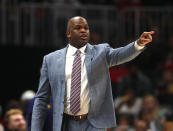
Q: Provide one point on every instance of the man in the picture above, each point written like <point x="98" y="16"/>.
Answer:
<point x="77" y="79"/>
<point x="15" y="120"/>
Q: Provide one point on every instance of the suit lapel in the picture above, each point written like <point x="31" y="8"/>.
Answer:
<point x="61" y="62"/>
<point x="88" y="60"/>
<point x="64" y="62"/>
<point x="88" y="63"/>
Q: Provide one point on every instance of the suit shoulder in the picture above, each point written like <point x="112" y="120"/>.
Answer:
<point x="101" y="46"/>
<point x="54" y="53"/>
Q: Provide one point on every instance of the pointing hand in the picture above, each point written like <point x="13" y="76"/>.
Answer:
<point x="145" y="38"/>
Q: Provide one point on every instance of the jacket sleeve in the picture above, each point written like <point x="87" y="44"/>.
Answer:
<point x="121" y="55"/>
<point x="41" y="100"/>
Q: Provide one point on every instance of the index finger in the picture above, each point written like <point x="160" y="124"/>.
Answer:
<point x="148" y="33"/>
<point x="151" y="32"/>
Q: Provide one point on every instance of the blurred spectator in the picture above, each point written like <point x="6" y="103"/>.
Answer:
<point x="140" y="125"/>
<point x="149" y="103"/>
<point x="49" y="117"/>
<point x="140" y="83"/>
<point x="128" y="103"/>
<point x="150" y="113"/>
<point x="124" y="122"/>
<point x="159" y="113"/>
<point x="165" y="87"/>
<point x="27" y="95"/>
<point x="167" y="79"/>
<point x="168" y="65"/>
<point x="1" y="127"/>
<point x="152" y="124"/>
<point x="165" y="82"/>
<point x="11" y="104"/>
<point x="168" y="126"/>
<point x="25" y="98"/>
<point x="15" y="120"/>
<point x="162" y="118"/>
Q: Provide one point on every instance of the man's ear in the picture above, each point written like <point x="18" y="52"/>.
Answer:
<point x="68" y="34"/>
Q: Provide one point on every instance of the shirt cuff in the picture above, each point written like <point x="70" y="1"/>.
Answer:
<point x="137" y="47"/>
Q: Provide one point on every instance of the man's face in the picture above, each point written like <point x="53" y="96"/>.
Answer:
<point x="78" y="32"/>
<point x="17" y="122"/>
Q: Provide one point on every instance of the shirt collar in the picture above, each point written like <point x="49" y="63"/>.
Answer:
<point x="72" y="50"/>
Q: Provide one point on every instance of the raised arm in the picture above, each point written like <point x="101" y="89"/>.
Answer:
<point x="124" y="54"/>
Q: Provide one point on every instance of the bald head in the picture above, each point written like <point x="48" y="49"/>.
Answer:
<point x="74" y="19"/>
<point x="78" y="31"/>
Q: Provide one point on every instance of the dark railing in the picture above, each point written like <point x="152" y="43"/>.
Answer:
<point x="45" y="24"/>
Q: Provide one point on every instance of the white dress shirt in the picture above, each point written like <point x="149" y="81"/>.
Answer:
<point x="84" y="95"/>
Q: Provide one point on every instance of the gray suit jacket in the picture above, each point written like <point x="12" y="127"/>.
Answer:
<point x="52" y="84"/>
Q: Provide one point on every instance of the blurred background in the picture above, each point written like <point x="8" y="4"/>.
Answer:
<point x="30" y="29"/>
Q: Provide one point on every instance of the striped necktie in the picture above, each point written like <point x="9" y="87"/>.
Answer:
<point x="75" y="84"/>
